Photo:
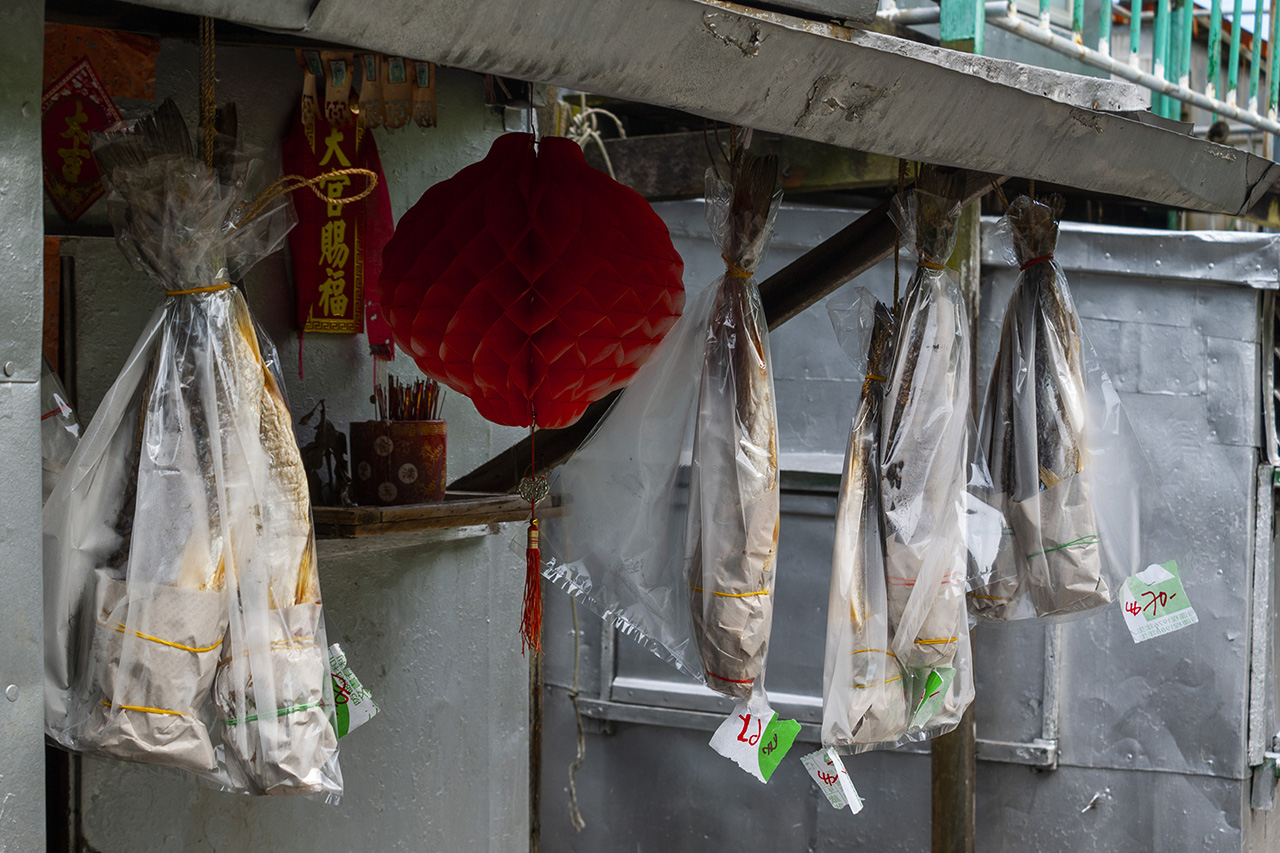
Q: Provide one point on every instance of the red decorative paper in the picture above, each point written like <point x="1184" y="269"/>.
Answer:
<point x="124" y="62"/>
<point x="75" y="106"/>
<point x="531" y="282"/>
<point x="336" y="248"/>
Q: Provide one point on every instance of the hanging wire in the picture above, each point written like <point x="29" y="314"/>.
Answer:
<point x="575" y="815"/>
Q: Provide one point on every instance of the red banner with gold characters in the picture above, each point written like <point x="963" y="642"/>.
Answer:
<point x="337" y="248"/>
<point x="72" y="108"/>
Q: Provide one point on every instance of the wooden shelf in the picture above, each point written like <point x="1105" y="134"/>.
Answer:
<point x="458" y="509"/>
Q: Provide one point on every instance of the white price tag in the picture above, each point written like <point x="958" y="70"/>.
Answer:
<point x="828" y="771"/>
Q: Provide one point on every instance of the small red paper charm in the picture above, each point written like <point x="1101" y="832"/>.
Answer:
<point x="75" y="105"/>
<point x="337" y="248"/>
<point x="531" y="282"/>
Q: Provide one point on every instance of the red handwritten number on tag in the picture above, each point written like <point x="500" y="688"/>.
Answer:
<point x="746" y="723"/>
<point x="1133" y="608"/>
<point x="829" y="778"/>
<point x="769" y="747"/>
<point x="1157" y="600"/>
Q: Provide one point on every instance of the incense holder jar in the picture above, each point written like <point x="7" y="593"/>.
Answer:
<point x="398" y="462"/>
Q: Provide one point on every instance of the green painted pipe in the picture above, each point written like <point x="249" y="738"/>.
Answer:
<point x="1135" y="31"/>
<point x="1213" y="83"/>
<point x="1255" y="56"/>
<point x="1233" y="56"/>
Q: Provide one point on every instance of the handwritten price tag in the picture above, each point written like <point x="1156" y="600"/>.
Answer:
<point x="1155" y="603"/>
<point x="828" y="771"/>
<point x="754" y="738"/>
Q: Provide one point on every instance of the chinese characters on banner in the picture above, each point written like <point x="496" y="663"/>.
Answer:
<point x="72" y="108"/>
<point x="337" y="248"/>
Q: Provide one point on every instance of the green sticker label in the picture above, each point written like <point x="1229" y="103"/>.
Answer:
<point x="774" y="743"/>
<point x="1155" y="602"/>
<point x="930" y="692"/>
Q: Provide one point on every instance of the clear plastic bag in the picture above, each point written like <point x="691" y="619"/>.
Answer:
<point x="182" y="604"/>
<point x="59" y="429"/>
<point x="675" y="494"/>
<point x="1064" y="462"/>
<point x="865" y="696"/>
<point x="898" y="663"/>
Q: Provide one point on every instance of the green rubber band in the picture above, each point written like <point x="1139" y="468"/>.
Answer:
<point x="1091" y="539"/>
<point x="253" y="718"/>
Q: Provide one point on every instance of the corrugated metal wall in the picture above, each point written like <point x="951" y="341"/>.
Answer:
<point x="1152" y="740"/>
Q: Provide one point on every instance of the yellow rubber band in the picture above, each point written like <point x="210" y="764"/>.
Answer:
<point x="878" y="683"/>
<point x="152" y="639"/>
<point x="876" y="378"/>
<point x="930" y="265"/>
<point x="936" y="642"/>
<point x="882" y="651"/>
<point x="213" y="288"/>
<point x="145" y="710"/>
<point x="732" y="594"/>
<point x="735" y="270"/>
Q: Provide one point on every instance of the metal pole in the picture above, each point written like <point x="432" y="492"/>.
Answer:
<point x="1184" y="52"/>
<point x="1077" y="21"/>
<point x="1213" y="85"/>
<point x="1091" y="57"/>
<point x="1044" y="15"/>
<point x="1255" y="55"/>
<point x="1104" y="29"/>
<point x="1159" y="53"/>
<point x="1272" y="77"/>
<point x="1233" y="55"/>
<point x="1135" y="31"/>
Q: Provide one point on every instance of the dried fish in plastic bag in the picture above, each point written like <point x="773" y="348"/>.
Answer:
<point x="924" y="435"/>
<point x="865" y="696"/>
<point x="732" y="538"/>
<point x="182" y="622"/>
<point x="1036" y="434"/>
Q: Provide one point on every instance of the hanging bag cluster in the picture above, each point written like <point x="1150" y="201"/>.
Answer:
<point x="1066" y="468"/>
<point x="183" y="620"/>
<point x="897" y="664"/>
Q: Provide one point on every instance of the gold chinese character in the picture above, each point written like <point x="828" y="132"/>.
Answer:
<point x="73" y="157"/>
<point x="333" y="188"/>
<point x="333" y="244"/>
<point x="331" y="149"/>
<point x="333" y="299"/>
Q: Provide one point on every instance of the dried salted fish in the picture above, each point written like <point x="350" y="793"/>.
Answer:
<point x="923" y="443"/>
<point x="734" y="505"/>
<point x="1034" y="433"/>
<point x="865" y="697"/>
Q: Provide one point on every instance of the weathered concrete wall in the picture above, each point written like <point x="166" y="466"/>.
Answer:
<point x="430" y="626"/>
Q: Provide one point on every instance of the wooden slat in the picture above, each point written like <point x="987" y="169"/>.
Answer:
<point x="811" y="277"/>
<point x="457" y="510"/>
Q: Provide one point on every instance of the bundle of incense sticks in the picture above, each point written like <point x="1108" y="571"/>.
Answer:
<point x="415" y="401"/>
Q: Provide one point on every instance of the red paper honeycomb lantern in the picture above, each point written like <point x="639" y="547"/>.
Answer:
<point x="531" y="282"/>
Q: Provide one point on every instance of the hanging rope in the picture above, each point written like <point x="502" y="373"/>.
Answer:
<point x="208" y="103"/>
<point x="290" y="183"/>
